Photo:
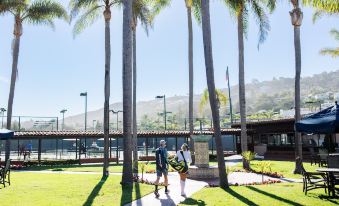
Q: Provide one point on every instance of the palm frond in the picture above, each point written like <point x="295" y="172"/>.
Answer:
<point x="86" y="19"/>
<point x="157" y="6"/>
<point x="262" y="20"/>
<point x="335" y="34"/>
<point x="77" y="5"/>
<point x="12" y="6"/>
<point x="196" y="9"/>
<point x="245" y="18"/>
<point x="329" y="51"/>
<point x="328" y="6"/>
<point x="44" y="11"/>
<point x="142" y="13"/>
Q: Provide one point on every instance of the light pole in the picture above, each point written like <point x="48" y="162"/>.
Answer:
<point x="94" y="128"/>
<point x="63" y="118"/>
<point x="165" y="112"/>
<point x="84" y="94"/>
<point x="117" y="139"/>
<point x="117" y="113"/>
<point x="2" y="110"/>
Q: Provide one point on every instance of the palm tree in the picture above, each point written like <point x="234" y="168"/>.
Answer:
<point x="334" y="52"/>
<point x="127" y="174"/>
<point x="241" y="9"/>
<point x="40" y="12"/>
<point x="296" y="18"/>
<point x="141" y="12"/>
<point x="91" y="11"/>
<point x="206" y="30"/>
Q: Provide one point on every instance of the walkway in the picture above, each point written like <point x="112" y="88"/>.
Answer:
<point x="174" y="197"/>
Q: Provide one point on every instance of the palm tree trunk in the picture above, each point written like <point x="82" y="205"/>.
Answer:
<point x="107" y="15"/>
<point x="190" y="71"/>
<point x="242" y="96"/>
<point x="296" y="18"/>
<point x="127" y="175"/>
<point x="206" y="28"/>
<point x="135" y="135"/>
<point x="16" y="49"/>
<point x="297" y="86"/>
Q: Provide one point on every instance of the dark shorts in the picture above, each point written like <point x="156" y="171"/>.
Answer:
<point x="162" y="172"/>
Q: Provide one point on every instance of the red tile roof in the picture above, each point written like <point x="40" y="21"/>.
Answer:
<point x="99" y="134"/>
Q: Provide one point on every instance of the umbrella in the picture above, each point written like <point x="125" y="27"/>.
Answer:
<point x="323" y="122"/>
<point x="6" y="134"/>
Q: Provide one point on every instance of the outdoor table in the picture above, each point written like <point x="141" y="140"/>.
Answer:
<point x="330" y="178"/>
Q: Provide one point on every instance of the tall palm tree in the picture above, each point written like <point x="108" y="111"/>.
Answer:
<point x="91" y="10"/>
<point x="40" y="12"/>
<point x="241" y="9"/>
<point x="127" y="68"/>
<point x="141" y="12"/>
<point x="296" y="19"/>
<point x="206" y="30"/>
<point x="334" y="52"/>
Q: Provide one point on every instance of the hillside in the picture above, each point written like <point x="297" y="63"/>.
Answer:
<point x="267" y="95"/>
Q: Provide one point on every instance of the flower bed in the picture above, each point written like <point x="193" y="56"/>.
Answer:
<point x="266" y="182"/>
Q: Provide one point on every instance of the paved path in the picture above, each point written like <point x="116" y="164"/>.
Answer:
<point x="174" y="197"/>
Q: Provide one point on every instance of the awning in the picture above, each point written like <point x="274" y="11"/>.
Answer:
<point x="323" y="122"/>
<point x="6" y="134"/>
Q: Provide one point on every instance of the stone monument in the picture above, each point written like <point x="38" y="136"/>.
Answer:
<point x="201" y="169"/>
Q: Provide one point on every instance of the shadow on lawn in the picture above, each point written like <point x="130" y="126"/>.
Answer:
<point x="240" y="197"/>
<point x="191" y="201"/>
<point x="274" y="196"/>
<point x="95" y="192"/>
<point x="127" y="193"/>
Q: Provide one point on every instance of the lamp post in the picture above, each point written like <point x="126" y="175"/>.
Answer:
<point x="2" y="110"/>
<point x="165" y="112"/>
<point x="117" y="113"/>
<point x="84" y="94"/>
<point x="63" y="118"/>
<point x="117" y="139"/>
<point x="94" y="128"/>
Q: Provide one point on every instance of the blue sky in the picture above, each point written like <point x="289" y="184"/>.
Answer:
<point x="54" y="68"/>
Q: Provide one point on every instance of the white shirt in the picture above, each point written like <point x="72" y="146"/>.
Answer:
<point x="187" y="155"/>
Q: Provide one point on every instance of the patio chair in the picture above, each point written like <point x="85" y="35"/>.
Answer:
<point x="323" y="154"/>
<point x="5" y="174"/>
<point x="333" y="161"/>
<point x="315" y="158"/>
<point x="313" y="180"/>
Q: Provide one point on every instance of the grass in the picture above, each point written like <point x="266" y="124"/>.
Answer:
<point x="32" y="189"/>
<point x="282" y="167"/>
<point x="274" y="194"/>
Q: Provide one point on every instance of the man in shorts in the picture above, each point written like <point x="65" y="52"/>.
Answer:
<point x="161" y="166"/>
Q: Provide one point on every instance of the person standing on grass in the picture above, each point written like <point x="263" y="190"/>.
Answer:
<point x="161" y="166"/>
<point x="184" y="155"/>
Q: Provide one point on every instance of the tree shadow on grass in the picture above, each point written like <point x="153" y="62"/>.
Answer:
<point x="290" y="202"/>
<point x="191" y="201"/>
<point x="95" y="192"/>
<point x="240" y="197"/>
<point x="127" y="193"/>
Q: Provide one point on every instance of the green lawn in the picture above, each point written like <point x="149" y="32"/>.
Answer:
<point x="271" y="195"/>
<point x="283" y="167"/>
<point x="32" y="189"/>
